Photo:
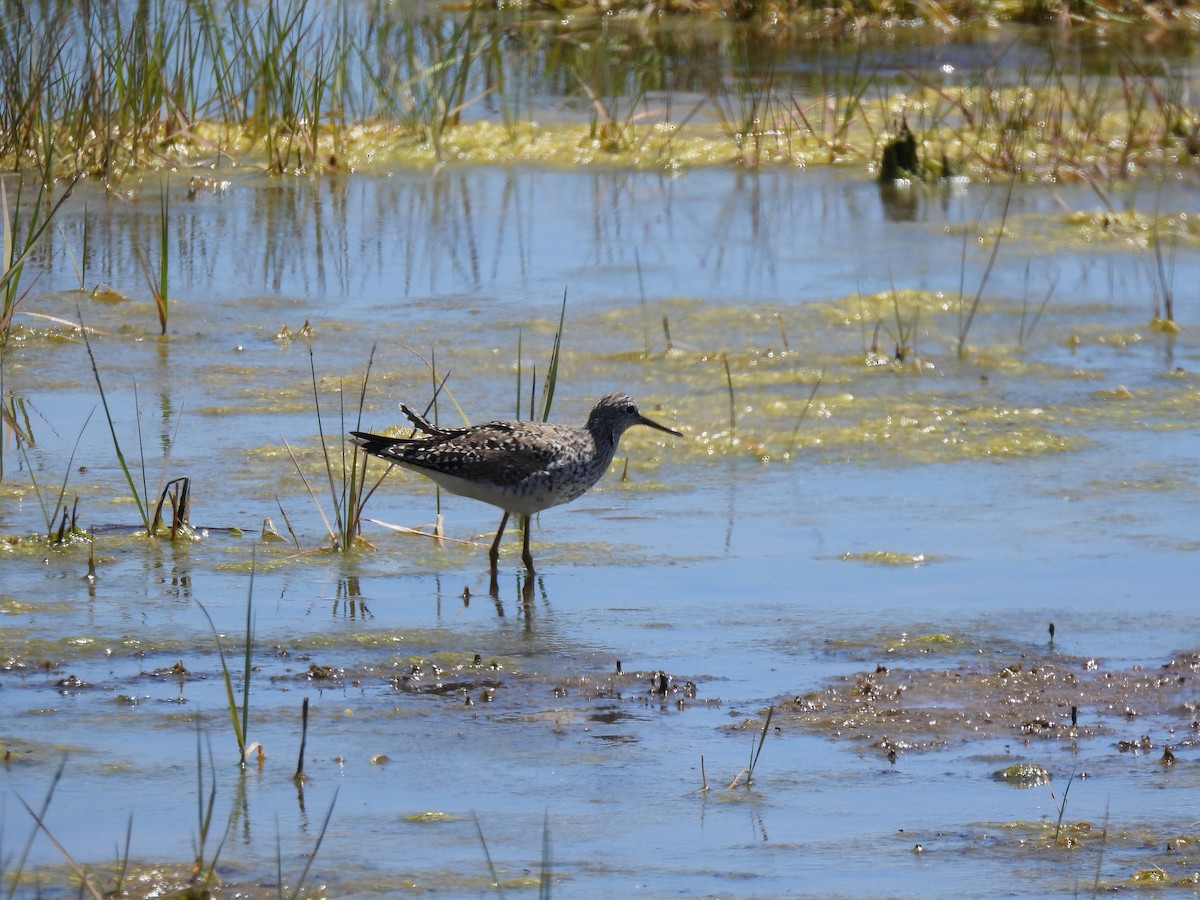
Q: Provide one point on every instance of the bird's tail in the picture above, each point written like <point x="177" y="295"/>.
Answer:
<point x="374" y="444"/>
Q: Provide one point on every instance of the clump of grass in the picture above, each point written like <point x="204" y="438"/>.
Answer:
<point x="286" y="74"/>
<point x="615" y="78"/>
<point x="204" y="874"/>
<point x="50" y="515"/>
<point x="118" y="88"/>
<point x="904" y="336"/>
<point x="176" y="492"/>
<point x="347" y="478"/>
<point x="829" y="119"/>
<point x="748" y="108"/>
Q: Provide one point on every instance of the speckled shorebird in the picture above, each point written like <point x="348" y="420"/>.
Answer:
<point x="521" y="467"/>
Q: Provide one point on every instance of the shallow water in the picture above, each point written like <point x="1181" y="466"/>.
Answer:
<point x="981" y="499"/>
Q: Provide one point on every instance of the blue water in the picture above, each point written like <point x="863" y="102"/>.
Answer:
<point x="712" y="566"/>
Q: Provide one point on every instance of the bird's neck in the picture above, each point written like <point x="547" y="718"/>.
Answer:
<point x="606" y="442"/>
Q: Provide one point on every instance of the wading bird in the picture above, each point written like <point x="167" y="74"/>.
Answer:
<point x="521" y="467"/>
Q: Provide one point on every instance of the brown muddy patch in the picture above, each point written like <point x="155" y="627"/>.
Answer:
<point x="1034" y="697"/>
<point x="1133" y="857"/>
<point x="1013" y="718"/>
<point x="506" y="689"/>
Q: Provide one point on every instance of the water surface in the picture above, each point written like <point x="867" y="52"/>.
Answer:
<point x="1049" y="479"/>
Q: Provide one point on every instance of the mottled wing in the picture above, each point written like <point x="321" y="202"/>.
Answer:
<point x="501" y="453"/>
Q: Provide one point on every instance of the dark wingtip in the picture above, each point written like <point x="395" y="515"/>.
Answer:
<point x="372" y="443"/>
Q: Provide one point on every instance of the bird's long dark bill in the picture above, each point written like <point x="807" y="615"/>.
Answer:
<point x="642" y="420"/>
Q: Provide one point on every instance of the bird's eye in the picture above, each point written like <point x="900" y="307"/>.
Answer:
<point x="631" y="409"/>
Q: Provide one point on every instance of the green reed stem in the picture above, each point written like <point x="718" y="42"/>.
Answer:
<point x="316" y="848"/>
<point x="14" y="880"/>
<point x="51" y="517"/>
<point x="1062" y="808"/>
<point x="133" y="491"/>
<point x="552" y="373"/>
<point x="17" y="245"/>
<point x="762" y="737"/>
<point x="86" y="887"/>
<point x="732" y="407"/>
<point x="240" y="724"/>
<point x="162" y="295"/>
<point x="203" y="874"/>
<point x="966" y="319"/>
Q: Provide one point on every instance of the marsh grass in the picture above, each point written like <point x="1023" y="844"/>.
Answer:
<point x="746" y="776"/>
<point x="295" y="85"/>
<point x="748" y="108"/>
<point x="1029" y="320"/>
<point x="133" y="491"/>
<point x="21" y="237"/>
<point x="616" y="76"/>
<point x="1062" y="807"/>
<point x="288" y="78"/>
<point x="905" y="333"/>
<point x="487" y="854"/>
<point x="299" y="777"/>
<point x="348" y="495"/>
<point x="86" y="886"/>
<point x="828" y="119"/>
<point x="1061" y="121"/>
<point x="967" y="310"/>
<point x="732" y="400"/>
<point x="1164" y="273"/>
<point x="50" y="514"/>
<point x="156" y="272"/>
<point x="545" y="870"/>
<point x="202" y="879"/>
<point x="204" y="873"/>
<point x="803" y="414"/>
<point x="551" y="382"/>
<point x="175" y="492"/>
<point x="117" y="88"/>
<point x="345" y="469"/>
<point x="308" y="862"/>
